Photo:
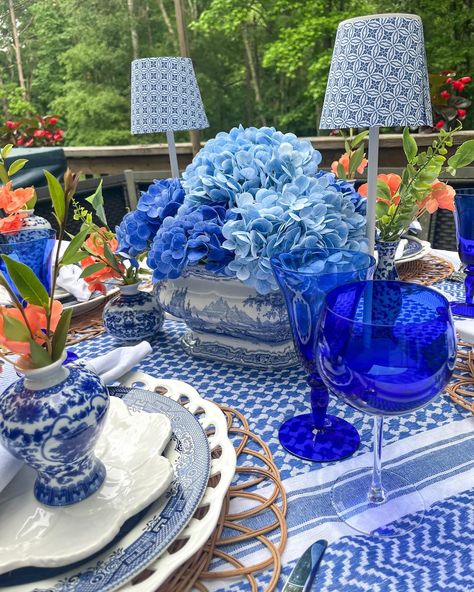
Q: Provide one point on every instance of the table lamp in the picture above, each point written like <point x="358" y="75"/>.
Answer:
<point x="378" y="78"/>
<point x="166" y="98"/>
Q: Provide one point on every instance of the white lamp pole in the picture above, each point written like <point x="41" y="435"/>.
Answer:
<point x="372" y="185"/>
<point x="172" y="153"/>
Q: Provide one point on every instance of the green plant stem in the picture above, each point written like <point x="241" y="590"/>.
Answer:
<point x="16" y="302"/>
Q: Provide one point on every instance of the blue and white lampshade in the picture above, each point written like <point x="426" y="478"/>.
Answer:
<point x="165" y="96"/>
<point x="378" y="74"/>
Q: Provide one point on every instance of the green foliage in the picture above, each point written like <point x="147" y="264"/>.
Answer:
<point x="257" y="61"/>
<point x="26" y="282"/>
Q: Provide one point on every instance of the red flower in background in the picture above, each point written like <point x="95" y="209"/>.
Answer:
<point x="444" y="94"/>
<point x="32" y="131"/>
<point x="439" y="124"/>
<point x="462" y="113"/>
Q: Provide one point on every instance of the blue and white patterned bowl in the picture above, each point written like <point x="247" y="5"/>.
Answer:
<point x="229" y="321"/>
<point x="133" y="315"/>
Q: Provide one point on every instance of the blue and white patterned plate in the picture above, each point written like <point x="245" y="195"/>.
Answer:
<point x="144" y="537"/>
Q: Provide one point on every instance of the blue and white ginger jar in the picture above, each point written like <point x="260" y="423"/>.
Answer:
<point x="133" y="315"/>
<point x="32" y="221"/>
<point x="51" y="419"/>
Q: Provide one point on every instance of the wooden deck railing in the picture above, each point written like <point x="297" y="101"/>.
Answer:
<point x="109" y="160"/>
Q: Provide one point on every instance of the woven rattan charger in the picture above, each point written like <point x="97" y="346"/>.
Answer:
<point x="255" y="466"/>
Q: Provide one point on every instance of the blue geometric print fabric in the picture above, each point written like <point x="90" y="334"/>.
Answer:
<point x="378" y="74"/>
<point x="433" y="444"/>
<point x="165" y="96"/>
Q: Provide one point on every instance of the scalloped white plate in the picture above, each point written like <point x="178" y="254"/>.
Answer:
<point x="32" y="534"/>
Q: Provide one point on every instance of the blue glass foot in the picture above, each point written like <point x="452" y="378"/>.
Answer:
<point x="463" y="309"/>
<point x="335" y="442"/>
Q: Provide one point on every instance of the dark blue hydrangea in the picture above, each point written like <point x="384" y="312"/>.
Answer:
<point x="192" y="236"/>
<point x="138" y="228"/>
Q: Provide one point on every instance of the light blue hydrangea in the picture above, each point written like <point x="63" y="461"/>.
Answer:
<point x="309" y="212"/>
<point x="246" y="160"/>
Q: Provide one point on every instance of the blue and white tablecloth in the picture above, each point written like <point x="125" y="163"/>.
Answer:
<point x="433" y="448"/>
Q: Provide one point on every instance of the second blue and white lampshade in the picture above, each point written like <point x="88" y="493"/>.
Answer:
<point x="378" y="74"/>
<point x="165" y="96"/>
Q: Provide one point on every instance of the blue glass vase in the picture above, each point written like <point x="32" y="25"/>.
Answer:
<point x="464" y="219"/>
<point x="384" y="364"/>
<point x="304" y="277"/>
<point x="33" y="247"/>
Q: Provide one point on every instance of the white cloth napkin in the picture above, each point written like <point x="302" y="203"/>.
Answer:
<point x="110" y="367"/>
<point x="69" y="280"/>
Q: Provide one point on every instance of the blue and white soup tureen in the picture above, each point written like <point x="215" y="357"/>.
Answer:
<point x="51" y="419"/>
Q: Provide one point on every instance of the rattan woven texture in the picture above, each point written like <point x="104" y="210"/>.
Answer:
<point x="426" y="271"/>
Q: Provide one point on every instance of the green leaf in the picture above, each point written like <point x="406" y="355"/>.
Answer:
<point x="60" y="335"/>
<point x="78" y="257"/>
<point x="16" y="166"/>
<point x="97" y="202"/>
<point x="74" y="246"/>
<point x="463" y="156"/>
<point x="39" y="356"/>
<point x="6" y="150"/>
<point x="92" y="269"/>
<point x="341" y="173"/>
<point x="381" y="209"/>
<point x="355" y="161"/>
<point x="409" y="145"/>
<point x="31" y="204"/>
<point x="359" y="138"/>
<point x="111" y="258"/>
<point x="383" y="190"/>
<point x="57" y="195"/>
<point x="26" y="282"/>
<point x="15" y="330"/>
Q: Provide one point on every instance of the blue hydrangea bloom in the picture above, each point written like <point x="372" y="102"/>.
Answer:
<point x="138" y="228"/>
<point x="245" y="160"/>
<point x="248" y="195"/>
<point x="192" y="236"/>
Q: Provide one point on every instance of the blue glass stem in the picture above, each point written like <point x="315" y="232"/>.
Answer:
<point x="469" y="284"/>
<point x="319" y="402"/>
<point x="377" y="492"/>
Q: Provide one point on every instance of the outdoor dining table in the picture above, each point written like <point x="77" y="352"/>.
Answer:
<point x="433" y="448"/>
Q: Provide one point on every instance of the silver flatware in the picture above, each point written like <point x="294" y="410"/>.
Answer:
<point x="304" y="572"/>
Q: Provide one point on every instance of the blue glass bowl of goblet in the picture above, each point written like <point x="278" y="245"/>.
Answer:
<point x="464" y="219"/>
<point x="33" y="247"/>
<point x="304" y="277"/>
<point x="385" y="348"/>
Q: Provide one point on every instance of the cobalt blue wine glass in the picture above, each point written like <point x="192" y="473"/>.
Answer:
<point x="464" y="219"/>
<point x="304" y="277"/>
<point x="385" y="348"/>
<point x="33" y="247"/>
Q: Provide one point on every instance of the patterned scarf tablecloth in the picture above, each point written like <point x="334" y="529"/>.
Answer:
<point x="433" y="448"/>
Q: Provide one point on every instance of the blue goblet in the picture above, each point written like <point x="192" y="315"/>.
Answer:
<point x="383" y="364"/>
<point x="33" y="247"/>
<point x="305" y="276"/>
<point x="464" y="219"/>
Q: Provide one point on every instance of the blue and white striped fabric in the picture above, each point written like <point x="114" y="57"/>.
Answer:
<point x="433" y="447"/>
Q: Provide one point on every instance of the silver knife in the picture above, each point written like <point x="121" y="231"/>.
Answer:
<point x="304" y="572"/>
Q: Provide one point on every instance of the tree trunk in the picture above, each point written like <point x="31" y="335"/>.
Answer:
<point x="133" y="30"/>
<point x="16" y="45"/>
<point x="253" y="73"/>
<point x="167" y="21"/>
<point x="184" y="51"/>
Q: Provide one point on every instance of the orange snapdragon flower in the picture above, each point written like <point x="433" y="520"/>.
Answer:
<point x="12" y="200"/>
<point x="391" y="180"/>
<point x="440" y="196"/>
<point x="12" y="222"/>
<point x="95" y="245"/>
<point x="36" y="317"/>
<point x="344" y="160"/>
